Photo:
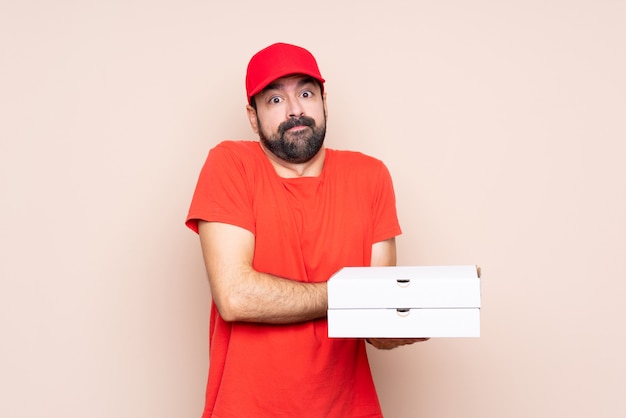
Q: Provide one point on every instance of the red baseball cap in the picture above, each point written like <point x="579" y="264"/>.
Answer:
<point x="276" y="61"/>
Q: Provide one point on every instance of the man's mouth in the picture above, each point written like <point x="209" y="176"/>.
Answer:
<point x="296" y="125"/>
<point x="297" y="128"/>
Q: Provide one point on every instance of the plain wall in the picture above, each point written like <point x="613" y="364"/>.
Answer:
<point x="502" y="123"/>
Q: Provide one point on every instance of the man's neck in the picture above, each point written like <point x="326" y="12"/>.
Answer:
<point x="285" y="169"/>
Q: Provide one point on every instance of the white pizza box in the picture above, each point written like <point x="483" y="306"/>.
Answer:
<point x="405" y="287"/>
<point x="404" y="302"/>
<point x="406" y="323"/>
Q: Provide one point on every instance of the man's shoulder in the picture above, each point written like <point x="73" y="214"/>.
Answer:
<point x="237" y="150"/>
<point x="354" y="159"/>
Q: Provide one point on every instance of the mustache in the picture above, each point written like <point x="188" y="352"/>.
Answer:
<point x="293" y="122"/>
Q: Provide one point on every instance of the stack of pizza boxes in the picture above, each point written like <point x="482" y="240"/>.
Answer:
<point x="404" y="302"/>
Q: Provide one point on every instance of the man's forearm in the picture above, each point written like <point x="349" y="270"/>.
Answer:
<point x="259" y="297"/>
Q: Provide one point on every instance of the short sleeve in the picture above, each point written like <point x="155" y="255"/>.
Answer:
<point x="223" y="192"/>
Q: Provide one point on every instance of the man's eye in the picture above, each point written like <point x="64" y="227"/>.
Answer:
<point x="307" y="94"/>
<point x="275" y="99"/>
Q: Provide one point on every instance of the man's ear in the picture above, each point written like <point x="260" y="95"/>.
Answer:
<point x="252" y="117"/>
<point x="325" y="106"/>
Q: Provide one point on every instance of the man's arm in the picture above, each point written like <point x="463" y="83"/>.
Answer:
<point x="384" y="254"/>
<point x="243" y="294"/>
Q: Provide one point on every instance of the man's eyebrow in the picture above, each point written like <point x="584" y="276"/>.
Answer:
<point x="278" y="85"/>
<point x="307" y="80"/>
<point x="272" y="86"/>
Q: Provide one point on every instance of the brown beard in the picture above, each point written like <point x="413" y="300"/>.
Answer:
<point x="302" y="147"/>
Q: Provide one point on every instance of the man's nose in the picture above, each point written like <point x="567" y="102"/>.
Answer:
<point x="294" y="108"/>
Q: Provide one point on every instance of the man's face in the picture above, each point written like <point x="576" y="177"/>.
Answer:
<point x="290" y="118"/>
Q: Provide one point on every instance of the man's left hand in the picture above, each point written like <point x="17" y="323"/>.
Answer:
<point x="389" y="343"/>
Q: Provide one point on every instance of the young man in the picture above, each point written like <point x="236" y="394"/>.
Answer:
<point x="276" y="218"/>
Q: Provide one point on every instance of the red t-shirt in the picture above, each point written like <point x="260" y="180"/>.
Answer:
<point x="305" y="229"/>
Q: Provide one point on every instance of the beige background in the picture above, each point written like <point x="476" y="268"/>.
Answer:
<point x="502" y="123"/>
